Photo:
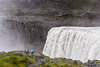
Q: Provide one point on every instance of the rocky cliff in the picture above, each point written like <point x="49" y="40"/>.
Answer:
<point x="33" y="18"/>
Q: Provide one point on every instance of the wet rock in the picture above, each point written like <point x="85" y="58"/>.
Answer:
<point x="66" y="14"/>
<point x="40" y="61"/>
<point x="94" y="63"/>
<point x="90" y="15"/>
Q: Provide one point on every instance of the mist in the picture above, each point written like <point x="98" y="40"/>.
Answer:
<point x="9" y="39"/>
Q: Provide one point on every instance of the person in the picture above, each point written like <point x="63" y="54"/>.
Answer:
<point x="27" y="52"/>
<point x="32" y="52"/>
<point x="21" y="50"/>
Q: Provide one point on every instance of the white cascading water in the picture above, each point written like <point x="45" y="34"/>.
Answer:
<point x="77" y="43"/>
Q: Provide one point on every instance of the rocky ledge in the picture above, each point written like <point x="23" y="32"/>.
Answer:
<point x="37" y="59"/>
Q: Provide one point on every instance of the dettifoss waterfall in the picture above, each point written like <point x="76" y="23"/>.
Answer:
<point x="77" y="43"/>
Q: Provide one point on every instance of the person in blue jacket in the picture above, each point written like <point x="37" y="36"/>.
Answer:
<point x="32" y="52"/>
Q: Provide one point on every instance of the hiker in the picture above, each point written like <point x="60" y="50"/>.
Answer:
<point x="32" y="52"/>
<point x="21" y="50"/>
<point x="27" y="52"/>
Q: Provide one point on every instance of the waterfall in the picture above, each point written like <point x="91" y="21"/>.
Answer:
<point x="10" y="39"/>
<point x="77" y="43"/>
<point x="17" y="31"/>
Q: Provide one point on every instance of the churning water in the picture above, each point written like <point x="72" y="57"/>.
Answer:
<point x="78" y="43"/>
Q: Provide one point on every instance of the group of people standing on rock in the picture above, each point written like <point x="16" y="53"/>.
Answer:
<point x="28" y="51"/>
